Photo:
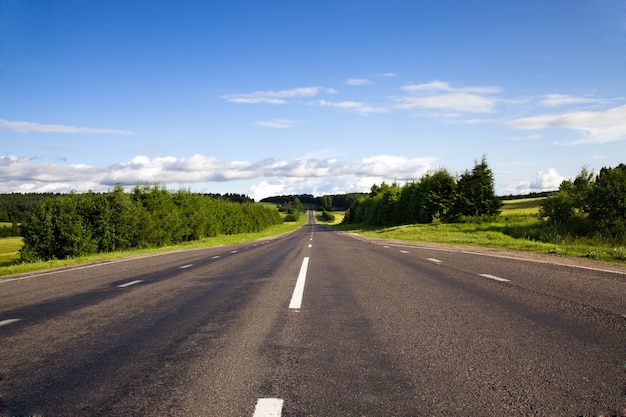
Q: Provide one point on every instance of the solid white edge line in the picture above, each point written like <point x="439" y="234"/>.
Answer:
<point x="128" y="284"/>
<point x="9" y="321"/>
<point x="493" y="277"/>
<point x="298" y="291"/>
<point x="268" y="407"/>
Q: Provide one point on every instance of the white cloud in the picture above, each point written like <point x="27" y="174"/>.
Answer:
<point x="355" y="106"/>
<point x="358" y="81"/>
<point x="28" y="127"/>
<point x="278" y="123"/>
<point x="387" y="74"/>
<point x="277" y="97"/>
<point x="401" y="167"/>
<point x="31" y="175"/>
<point x="594" y="126"/>
<point x="549" y="180"/>
<point x="464" y="102"/>
<point x="441" y="95"/>
<point x="544" y="181"/>
<point x="554" y="100"/>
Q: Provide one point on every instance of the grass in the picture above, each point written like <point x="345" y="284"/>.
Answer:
<point x="518" y="228"/>
<point x="9" y="247"/>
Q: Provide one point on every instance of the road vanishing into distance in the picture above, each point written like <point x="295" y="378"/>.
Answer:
<point x="315" y="323"/>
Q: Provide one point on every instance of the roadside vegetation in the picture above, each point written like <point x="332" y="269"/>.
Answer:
<point x="517" y="228"/>
<point x="75" y="225"/>
<point x="10" y="259"/>
<point x="586" y="217"/>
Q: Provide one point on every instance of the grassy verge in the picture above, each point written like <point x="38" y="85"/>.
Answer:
<point x="9" y="248"/>
<point x="517" y="228"/>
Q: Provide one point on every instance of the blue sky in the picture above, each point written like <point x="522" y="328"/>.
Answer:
<point x="325" y="97"/>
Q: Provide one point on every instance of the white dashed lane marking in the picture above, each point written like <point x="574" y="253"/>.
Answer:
<point x="268" y="407"/>
<point x="128" y="284"/>
<point x="495" y="278"/>
<point x="437" y="261"/>
<point x="298" y="292"/>
<point x="8" y="321"/>
<point x="186" y="266"/>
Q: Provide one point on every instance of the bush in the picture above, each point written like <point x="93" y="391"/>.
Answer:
<point x="328" y="216"/>
<point x="590" y="206"/>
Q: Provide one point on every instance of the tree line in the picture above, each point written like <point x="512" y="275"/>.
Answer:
<point x="328" y="202"/>
<point x="437" y="196"/>
<point x="73" y="224"/>
<point x="15" y="208"/>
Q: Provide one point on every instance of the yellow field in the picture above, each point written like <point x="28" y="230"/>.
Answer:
<point x="523" y="206"/>
<point x="9" y="247"/>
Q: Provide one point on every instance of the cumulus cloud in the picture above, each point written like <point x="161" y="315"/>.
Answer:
<point x="31" y="175"/>
<point x="29" y="127"/>
<point x="593" y="126"/>
<point x="277" y="97"/>
<point x="544" y="181"/>
<point x="441" y="95"/>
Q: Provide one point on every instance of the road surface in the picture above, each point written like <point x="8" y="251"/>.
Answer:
<point x="315" y="323"/>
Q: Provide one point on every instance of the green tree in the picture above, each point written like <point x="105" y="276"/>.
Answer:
<point x="439" y="189"/>
<point x="38" y="234"/>
<point x="59" y="229"/>
<point x="327" y="203"/>
<point x="607" y="202"/>
<point x="475" y="192"/>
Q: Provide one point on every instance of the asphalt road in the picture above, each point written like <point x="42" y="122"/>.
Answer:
<point x="316" y="323"/>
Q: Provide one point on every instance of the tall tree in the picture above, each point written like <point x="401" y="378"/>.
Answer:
<point x="607" y="202"/>
<point x="476" y="192"/>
